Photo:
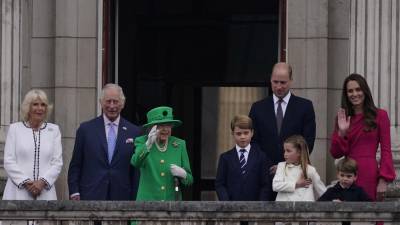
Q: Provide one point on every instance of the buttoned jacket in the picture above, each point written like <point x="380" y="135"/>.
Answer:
<point x="91" y="174"/>
<point x="299" y="118"/>
<point x="20" y="164"/>
<point x="285" y="180"/>
<point x="156" y="181"/>
<point x="254" y="185"/>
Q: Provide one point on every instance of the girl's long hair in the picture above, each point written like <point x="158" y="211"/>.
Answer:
<point x="369" y="108"/>
<point x="300" y="144"/>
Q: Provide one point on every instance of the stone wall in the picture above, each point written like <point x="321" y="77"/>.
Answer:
<point x="374" y="52"/>
<point x="75" y="71"/>
<point x="12" y="65"/>
<point x="54" y="45"/>
<point x="307" y="31"/>
<point x="193" y="213"/>
<point x="51" y="45"/>
<point x="328" y="40"/>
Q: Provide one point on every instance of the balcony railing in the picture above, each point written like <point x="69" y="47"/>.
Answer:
<point x="112" y="212"/>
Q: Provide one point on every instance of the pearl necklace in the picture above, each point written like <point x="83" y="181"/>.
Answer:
<point x="163" y="148"/>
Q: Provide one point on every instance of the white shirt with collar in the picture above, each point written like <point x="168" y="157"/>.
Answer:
<point x="107" y="125"/>
<point x="283" y="104"/>
<point x="246" y="153"/>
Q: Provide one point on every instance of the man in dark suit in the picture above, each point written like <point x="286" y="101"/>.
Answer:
<point x="281" y="115"/>
<point x="242" y="171"/>
<point x="100" y="167"/>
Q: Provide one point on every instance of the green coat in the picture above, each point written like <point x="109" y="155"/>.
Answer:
<point x="156" y="181"/>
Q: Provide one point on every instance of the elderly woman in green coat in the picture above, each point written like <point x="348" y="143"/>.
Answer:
<point x="162" y="158"/>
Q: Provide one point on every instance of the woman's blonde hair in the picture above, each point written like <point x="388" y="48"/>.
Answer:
<point x="300" y="144"/>
<point x="31" y="96"/>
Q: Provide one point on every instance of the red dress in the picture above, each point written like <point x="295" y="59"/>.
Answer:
<point x="362" y="147"/>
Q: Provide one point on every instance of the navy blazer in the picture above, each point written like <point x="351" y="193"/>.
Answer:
<point x="352" y="194"/>
<point x="231" y="185"/>
<point x="90" y="173"/>
<point x="299" y="119"/>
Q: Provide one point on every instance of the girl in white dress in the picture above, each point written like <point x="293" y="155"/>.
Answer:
<point x="295" y="179"/>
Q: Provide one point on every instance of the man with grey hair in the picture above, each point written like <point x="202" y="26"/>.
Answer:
<point x="100" y="167"/>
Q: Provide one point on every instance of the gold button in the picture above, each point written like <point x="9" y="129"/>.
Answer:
<point x="162" y="187"/>
<point x="162" y="161"/>
<point x="162" y="174"/>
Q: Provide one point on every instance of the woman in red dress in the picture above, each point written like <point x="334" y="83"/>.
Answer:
<point x="360" y="128"/>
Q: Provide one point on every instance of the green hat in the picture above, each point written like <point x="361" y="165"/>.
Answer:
<point x="159" y="115"/>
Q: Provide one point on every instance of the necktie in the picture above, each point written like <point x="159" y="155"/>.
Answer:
<point x="111" y="139"/>
<point x="279" y="115"/>
<point x="242" y="161"/>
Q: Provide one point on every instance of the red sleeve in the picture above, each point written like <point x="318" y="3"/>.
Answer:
<point x="386" y="168"/>
<point x="339" y="145"/>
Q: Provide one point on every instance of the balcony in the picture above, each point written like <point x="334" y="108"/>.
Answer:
<point x="85" y="212"/>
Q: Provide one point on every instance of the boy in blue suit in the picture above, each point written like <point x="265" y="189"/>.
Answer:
<point x="242" y="173"/>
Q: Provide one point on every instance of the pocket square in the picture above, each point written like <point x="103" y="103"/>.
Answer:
<point x="129" y="141"/>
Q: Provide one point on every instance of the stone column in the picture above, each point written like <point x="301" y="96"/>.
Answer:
<point x="10" y="70"/>
<point x="307" y="53"/>
<point x="61" y="50"/>
<point x="75" y="72"/>
<point x="374" y="53"/>
<point x="233" y="101"/>
<point x="338" y="67"/>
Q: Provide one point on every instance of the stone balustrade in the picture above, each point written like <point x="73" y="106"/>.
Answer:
<point x="84" y="212"/>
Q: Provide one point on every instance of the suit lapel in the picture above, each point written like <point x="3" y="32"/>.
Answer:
<point x="271" y="114"/>
<point x="250" y="160"/>
<point x="101" y="131"/>
<point x="235" y="160"/>
<point x="120" y="136"/>
<point x="249" y="164"/>
<point x="289" y="113"/>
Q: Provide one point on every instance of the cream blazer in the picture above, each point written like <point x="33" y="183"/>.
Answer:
<point x="19" y="154"/>
<point x="285" y="179"/>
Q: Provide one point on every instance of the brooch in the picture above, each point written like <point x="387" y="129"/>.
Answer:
<point x="175" y="144"/>
<point x="129" y="141"/>
<point x="124" y="128"/>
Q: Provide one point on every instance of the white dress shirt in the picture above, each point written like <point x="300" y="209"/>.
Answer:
<point x="284" y="103"/>
<point x="107" y="125"/>
<point x="246" y="153"/>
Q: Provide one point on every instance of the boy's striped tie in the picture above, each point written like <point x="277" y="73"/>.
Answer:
<point x="242" y="161"/>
